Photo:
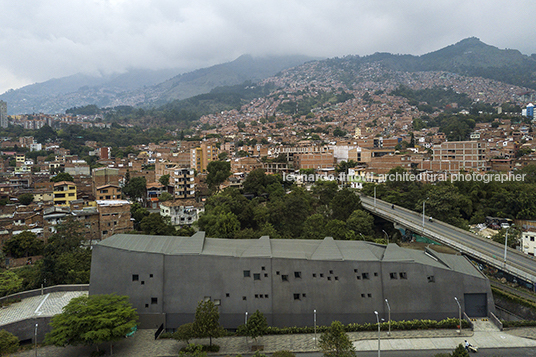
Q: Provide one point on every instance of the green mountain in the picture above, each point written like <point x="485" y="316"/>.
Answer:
<point x="469" y="57"/>
<point x="144" y="88"/>
<point x="245" y="68"/>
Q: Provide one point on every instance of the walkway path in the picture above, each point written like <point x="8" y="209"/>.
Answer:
<point x="142" y="344"/>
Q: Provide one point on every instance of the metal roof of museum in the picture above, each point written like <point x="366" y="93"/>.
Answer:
<point x="327" y="249"/>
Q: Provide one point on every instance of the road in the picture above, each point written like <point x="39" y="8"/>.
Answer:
<point x="488" y="352"/>
<point x="517" y="263"/>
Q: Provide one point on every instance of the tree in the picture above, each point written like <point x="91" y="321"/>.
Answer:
<point x="184" y="333"/>
<point x="26" y="199"/>
<point x="65" y="259"/>
<point x="136" y="188"/>
<point x="164" y="179"/>
<point x="256" y="325"/>
<point x="155" y="224"/>
<point x="137" y="212"/>
<point x="335" y="343"/>
<point x="361" y="221"/>
<point x="344" y="203"/>
<point x="9" y="343"/>
<point x="62" y="176"/>
<point x="220" y="225"/>
<point x="207" y="321"/>
<point x="218" y="172"/>
<point x="165" y="196"/>
<point x="92" y="320"/>
<point x="514" y="236"/>
<point x="257" y="182"/>
<point x="24" y="244"/>
<point x="9" y="283"/>
<point x="460" y="351"/>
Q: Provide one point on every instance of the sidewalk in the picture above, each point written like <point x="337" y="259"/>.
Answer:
<point x="142" y="344"/>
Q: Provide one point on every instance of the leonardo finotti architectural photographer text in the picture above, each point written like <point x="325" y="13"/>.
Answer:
<point x="406" y="176"/>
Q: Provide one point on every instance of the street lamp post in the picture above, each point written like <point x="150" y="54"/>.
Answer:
<point x="314" y="311"/>
<point x="375" y="197"/>
<point x="506" y="244"/>
<point x="423" y="210"/>
<point x="389" y="308"/>
<point x="246" y="320"/>
<point x="35" y="340"/>
<point x="386" y="235"/>
<point x="378" y="320"/>
<point x="459" y="314"/>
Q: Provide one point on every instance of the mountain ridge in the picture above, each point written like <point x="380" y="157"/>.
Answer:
<point x="468" y="57"/>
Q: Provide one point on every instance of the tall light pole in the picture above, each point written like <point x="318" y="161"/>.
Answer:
<point x="387" y="235"/>
<point x="35" y="340"/>
<point x="378" y="320"/>
<point x="506" y="244"/>
<point x="375" y="197"/>
<point x="314" y="311"/>
<point x="459" y="314"/>
<point x="423" y="209"/>
<point x="389" y="308"/>
<point x="246" y="320"/>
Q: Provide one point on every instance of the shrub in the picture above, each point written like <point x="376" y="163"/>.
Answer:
<point x="9" y="343"/>
<point x="521" y="323"/>
<point x="184" y="332"/>
<point x="192" y="350"/>
<point x="165" y="335"/>
<point x="211" y="348"/>
<point x="449" y="323"/>
<point x="283" y="354"/>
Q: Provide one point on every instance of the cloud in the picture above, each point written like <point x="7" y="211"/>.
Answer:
<point x="43" y="39"/>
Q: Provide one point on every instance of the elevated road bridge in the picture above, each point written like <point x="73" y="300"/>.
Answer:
<point x="517" y="264"/>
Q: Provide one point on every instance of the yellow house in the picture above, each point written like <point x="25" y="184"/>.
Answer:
<point x="64" y="192"/>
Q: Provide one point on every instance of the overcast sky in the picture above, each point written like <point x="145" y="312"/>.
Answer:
<point x="44" y="39"/>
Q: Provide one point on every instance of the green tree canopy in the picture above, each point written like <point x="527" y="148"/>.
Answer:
<point x="164" y="179"/>
<point x="92" y="320"/>
<point x="184" y="332"/>
<point x="136" y="188"/>
<point x="9" y="343"/>
<point x="335" y="342"/>
<point x="24" y="244"/>
<point x="66" y="260"/>
<point x="207" y="321"/>
<point x="257" y="182"/>
<point x="165" y="196"/>
<point x="218" y="172"/>
<point x="26" y="198"/>
<point x="138" y="213"/>
<point x="155" y="224"/>
<point x="361" y="221"/>
<point x="9" y="283"/>
<point x="62" y="176"/>
<point x="344" y="203"/>
<point x="256" y="325"/>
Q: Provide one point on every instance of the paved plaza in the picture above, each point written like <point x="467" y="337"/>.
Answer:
<point x="142" y="344"/>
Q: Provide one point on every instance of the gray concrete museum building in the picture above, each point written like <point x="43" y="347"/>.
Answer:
<point x="286" y="279"/>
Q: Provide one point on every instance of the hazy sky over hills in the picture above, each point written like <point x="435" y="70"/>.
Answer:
<point x="44" y="39"/>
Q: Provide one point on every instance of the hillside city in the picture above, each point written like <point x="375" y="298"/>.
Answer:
<point x="374" y="130"/>
<point x="293" y="156"/>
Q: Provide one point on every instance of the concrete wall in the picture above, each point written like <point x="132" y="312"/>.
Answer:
<point x="336" y="289"/>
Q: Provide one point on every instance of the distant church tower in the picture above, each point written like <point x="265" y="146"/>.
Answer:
<point x="3" y="114"/>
